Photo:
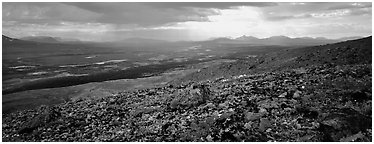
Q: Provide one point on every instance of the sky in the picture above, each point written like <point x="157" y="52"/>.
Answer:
<point x="185" y="21"/>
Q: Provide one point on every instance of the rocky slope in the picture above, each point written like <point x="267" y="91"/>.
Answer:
<point x="349" y="52"/>
<point x="320" y="102"/>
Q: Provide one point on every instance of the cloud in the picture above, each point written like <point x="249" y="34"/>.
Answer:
<point x="159" y="13"/>
<point x="216" y="5"/>
<point x="316" y="10"/>
<point x="93" y="31"/>
<point x="338" y="30"/>
<point x="26" y="29"/>
<point x="114" y="13"/>
<point x="364" y="11"/>
<point x="350" y="6"/>
<point x="142" y="14"/>
<point x="45" y="13"/>
<point x="287" y="17"/>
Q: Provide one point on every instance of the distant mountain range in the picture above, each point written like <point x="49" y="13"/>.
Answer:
<point x="251" y="40"/>
<point x="136" y="40"/>
<point x="48" y="39"/>
<point x="280" y="40"/>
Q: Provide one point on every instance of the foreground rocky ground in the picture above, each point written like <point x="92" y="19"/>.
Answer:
<point x="313" y="103"/>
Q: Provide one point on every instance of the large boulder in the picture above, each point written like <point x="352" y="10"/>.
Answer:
<point x="45" y="116"/>
<point x="190" y="97"/>
<point x="342" y="123"/>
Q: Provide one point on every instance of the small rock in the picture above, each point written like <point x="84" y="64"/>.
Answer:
<point x="222" y="105"/>
<point x="287" y="109"/>
<point x="248" y="125"/>
<point x="112" y="100"/>
<point x="89" y="116"/>
<point x="209" y="138"/>
<point x="115" y="123"/>
<point x="283" y="95"/>
<point x="315" y="125"/>
<point x="120" y="132"/>
<point x="225" y="115"/>
<point x="215" y="114"/>
<point x="263" y="111"/>
<point x="298" y="126"/>
<point x="231" y="110"/>
<point x="210" y="120"/>
<point x="268" y="130"/>
<point x="268" y="104"/>
<point x="250" y="116"/>
<point x="5" y="125"/>
<point x="210" y="105"/>
<point x="237" y="135"/>
<point x="243" y="103"/>
<point x="264" y="124"/>
<point x="296" y="94"/>
<point x="170" y="86"/>
<point x="284" y="123"/>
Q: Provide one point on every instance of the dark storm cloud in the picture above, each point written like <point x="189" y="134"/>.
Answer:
<point x="141" y="14"/>
<point x="217" y="5"/>
<point x="158" y="13"/>
<point x="43" y="13"/>
<point x="116" y="13"/>
<point x="101" y="7"/>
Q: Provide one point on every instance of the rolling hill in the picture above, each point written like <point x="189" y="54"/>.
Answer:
<point x="49" y="39"/>
<point x="279" y="40"/>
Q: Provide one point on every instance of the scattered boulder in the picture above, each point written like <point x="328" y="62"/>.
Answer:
<point x="308" y="112"/>
<point x="264" y="124"/>
<point x="250" y="116"/>
<point x="46" y="115"/>
<point x="342" y="123"/>
<point x="283" y="95"/>
<point x="191" y="97"/>
<point x="297" y="94"/>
